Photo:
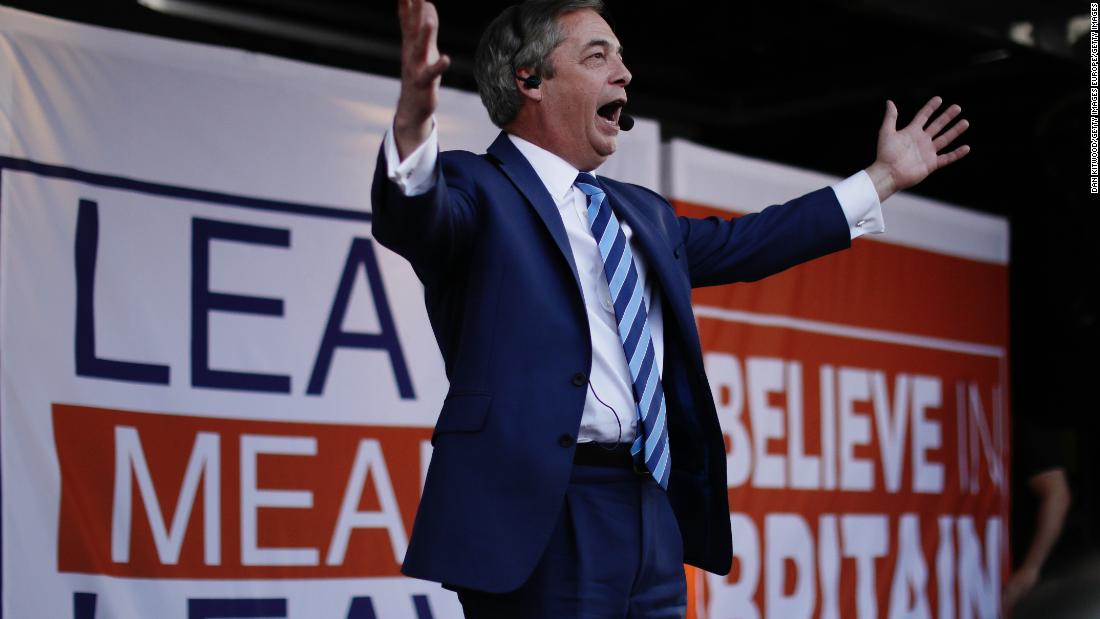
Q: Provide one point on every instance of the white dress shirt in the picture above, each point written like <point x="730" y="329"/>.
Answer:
<point x="610" y="414"/>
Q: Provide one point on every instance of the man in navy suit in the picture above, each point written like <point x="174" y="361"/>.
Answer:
<point x="578" y="458"/>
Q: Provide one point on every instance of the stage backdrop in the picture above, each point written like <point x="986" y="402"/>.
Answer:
<point x="217" y="390"/>
<point x="864" y="402"/>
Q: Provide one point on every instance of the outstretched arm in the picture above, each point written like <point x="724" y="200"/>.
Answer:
<point x="907" y="156"/>
<point x="421" y="68"/>
<point x="1054" y="499"/>
<point x="420" y="211"/>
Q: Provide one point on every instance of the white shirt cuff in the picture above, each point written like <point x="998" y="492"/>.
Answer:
<point x="414" y="175"/>
<point x="859" y="201"/>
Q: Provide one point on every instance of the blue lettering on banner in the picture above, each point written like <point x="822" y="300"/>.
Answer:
<point x="240" y="608"/>
<point x="88" y="364"/>
<point x="83" y="605"/>
<point x="361" y="607"/>
<point x="361" y="253"/>
<point x="203" y="301"/>
<point x="423" y="611"/>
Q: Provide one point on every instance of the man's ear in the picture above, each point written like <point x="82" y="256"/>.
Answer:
<point x="529" y="84"/>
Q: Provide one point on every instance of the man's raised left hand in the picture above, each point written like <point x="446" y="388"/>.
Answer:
<point x="907" y="156"/>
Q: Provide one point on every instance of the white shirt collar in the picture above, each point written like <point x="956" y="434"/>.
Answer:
<point x="556" y="173"/>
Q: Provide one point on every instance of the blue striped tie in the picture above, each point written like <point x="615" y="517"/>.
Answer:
<point x="651" y="446"/>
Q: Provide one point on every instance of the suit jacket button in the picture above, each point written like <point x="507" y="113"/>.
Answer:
<point x="580" y="379"/>
<point x="566" y="440"/>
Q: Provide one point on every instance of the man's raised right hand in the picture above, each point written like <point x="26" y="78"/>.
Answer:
<point x="421" y="68"/>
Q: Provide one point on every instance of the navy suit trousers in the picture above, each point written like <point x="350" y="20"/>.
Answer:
<point x="615" y="553"/>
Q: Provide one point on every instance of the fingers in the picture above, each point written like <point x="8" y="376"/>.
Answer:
<point x="890" y="119"/>
<point x="416" y="17"/>
<point x="952" y="133"/>
<point x="421" y="66"/>
<point x="951" y="157"/>
<point x="430" y="25"/>
<point x="434" y="70"/>
<point x="943" y="120"/>
<point x="408" y="12"/>
<point x="926" y="112"/>
<point x="420" y="27"/>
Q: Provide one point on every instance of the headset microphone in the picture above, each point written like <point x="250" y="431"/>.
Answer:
<point x="531" y="82"/>
<point x="626" y="121"/>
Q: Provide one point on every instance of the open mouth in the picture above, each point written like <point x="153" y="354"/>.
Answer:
<point x="610" y="111"/>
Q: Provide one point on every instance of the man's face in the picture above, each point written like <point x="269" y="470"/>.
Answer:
<point x="580" y="105"/>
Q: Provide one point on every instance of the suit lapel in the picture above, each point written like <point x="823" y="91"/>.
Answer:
<point x="523" y="176"/>
<point x="655" y="247"/>
<point x="658" y="254"/>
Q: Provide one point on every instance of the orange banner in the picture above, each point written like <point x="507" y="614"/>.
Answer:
<point x="168" y="496"/>
<point x="864" y="402"/>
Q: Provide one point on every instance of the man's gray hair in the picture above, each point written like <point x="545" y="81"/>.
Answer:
<point x="524" y="35"/>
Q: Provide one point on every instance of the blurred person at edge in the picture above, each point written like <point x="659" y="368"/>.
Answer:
<point x="1040" y="510"/>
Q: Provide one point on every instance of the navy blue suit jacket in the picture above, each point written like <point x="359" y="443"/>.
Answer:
<point x="504" y="301"/>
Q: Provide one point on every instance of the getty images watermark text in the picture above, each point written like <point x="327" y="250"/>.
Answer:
<point x="1094" y="99"/>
